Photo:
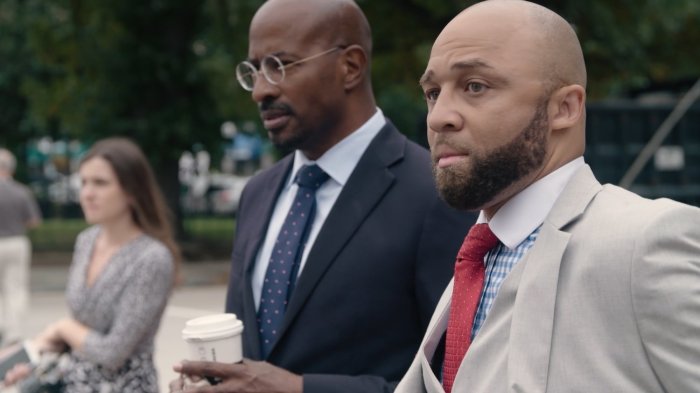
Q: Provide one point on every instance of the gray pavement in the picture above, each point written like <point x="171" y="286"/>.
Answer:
<point x="202" y="293"/>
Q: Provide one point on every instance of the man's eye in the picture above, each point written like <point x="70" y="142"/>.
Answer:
<point x="432" y="94"/>
<point x="475" y="87"/>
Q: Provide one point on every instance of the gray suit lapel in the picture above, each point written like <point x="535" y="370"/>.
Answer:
<point x="533" y="310"/>
<point x="436" y="329"/>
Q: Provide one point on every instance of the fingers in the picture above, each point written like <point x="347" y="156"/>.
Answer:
<point x="176" y="385"/>
<point x="249" y="376"/>
<point x="45" y="343"/>
<point x="211" y="369"/>
<point x="187" y="384"/>
<point x="17" y="373"/>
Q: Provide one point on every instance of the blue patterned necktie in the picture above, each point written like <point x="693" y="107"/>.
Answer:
<point x="286" y="254"/>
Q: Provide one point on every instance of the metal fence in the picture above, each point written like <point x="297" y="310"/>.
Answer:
<point x="617" y="132"/>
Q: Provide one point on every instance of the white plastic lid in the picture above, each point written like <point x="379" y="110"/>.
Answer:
<point x="212" y="327"/>
<point x="32" y="351"/>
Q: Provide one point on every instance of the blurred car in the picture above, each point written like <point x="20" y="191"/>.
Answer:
<point x="225" y="192"/>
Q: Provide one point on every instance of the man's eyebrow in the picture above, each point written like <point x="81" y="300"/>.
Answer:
<point x="426" y="77"/>
<point x="276" y="54"/>
<point x="460" y="65"/>
<point x="476" y="63"/>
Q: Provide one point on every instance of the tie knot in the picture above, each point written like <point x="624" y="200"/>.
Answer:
<point x="311" y="176"/>
<point x="478" y="242"/>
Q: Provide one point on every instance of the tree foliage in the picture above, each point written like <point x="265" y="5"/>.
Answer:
<point x="162" y="71"/>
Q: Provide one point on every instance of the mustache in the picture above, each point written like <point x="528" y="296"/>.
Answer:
<point x="274" y="106"/>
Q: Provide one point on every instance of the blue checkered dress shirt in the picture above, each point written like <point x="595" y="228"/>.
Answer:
<point x="499" y="262"/>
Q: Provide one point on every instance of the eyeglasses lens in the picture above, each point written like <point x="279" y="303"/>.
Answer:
<point x="246" y="73"/>
<point x="273" y="69"/>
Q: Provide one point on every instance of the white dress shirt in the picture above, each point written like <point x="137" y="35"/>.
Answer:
<point x="338" y="162"/>
<point x="526" y="211"/>
<point x="516" y="224"/>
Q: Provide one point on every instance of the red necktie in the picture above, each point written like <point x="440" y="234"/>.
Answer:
<point x="466" y="292"/>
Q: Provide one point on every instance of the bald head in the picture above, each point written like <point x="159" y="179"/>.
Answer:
<point x="327" y="22"/>
<point x="551" y="42"/>
<point x="325" y="91"/>
<point x="505" y="88"/>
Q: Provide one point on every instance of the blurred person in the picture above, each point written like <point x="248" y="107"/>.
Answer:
<point x="564" y="284"/>
<point x="123" y="270"/>
<point x="346" y="312"/>
<point x="18" y="212"/>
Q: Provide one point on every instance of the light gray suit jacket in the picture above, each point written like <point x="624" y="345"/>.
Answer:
<point x="606" y="300"/>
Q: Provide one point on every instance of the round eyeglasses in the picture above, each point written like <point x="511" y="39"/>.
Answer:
<point x="272" y="68"/>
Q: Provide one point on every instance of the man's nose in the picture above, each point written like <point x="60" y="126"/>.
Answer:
<point x="263" y="89"/>
<point x="445" y="116"/>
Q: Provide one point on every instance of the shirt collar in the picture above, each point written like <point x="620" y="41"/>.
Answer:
<point x="340" y="160"/>
<point x="526" y="211"/>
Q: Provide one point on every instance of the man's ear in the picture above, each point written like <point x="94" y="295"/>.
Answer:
<point x="567" y="106"/>
<point x="354" y="63"/>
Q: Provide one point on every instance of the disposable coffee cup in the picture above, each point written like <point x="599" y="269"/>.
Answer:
<point x="214" y="338"/>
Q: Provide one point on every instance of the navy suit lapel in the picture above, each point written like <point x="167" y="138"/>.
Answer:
<point x="368" y="183"/>
<point x="262" y="209"/>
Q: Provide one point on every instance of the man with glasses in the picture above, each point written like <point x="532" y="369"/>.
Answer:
<point x="346" y="313"/>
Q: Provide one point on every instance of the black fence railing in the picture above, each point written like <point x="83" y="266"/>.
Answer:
<point x="617" y="132"/>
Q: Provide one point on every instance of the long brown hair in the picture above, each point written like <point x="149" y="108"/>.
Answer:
<point x="135" y="175"/>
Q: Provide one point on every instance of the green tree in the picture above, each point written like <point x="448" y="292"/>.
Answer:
<point x="627" y="43"/>
<point x="14" y="61"/>
<point x="162" y="71"/>
<point x="118" y="68"/>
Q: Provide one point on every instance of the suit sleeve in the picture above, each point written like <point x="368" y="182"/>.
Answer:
<point x="329" y="383"/>
<point x="666" y="295"/>
<point x="235" y="274"/>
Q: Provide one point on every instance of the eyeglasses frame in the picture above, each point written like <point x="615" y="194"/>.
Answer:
<point x="282" y="67"/>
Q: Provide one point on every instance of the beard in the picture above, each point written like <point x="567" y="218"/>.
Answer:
<point x="307" y="132"/>
<point x="492" y="172"/>
<point x="284" y="140"/>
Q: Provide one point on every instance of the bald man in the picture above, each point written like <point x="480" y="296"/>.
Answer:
<point x="381" y="243"/>
<point x="586" y="287"/>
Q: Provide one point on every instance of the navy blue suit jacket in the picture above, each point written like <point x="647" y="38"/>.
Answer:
<point x="372" y="278"/>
